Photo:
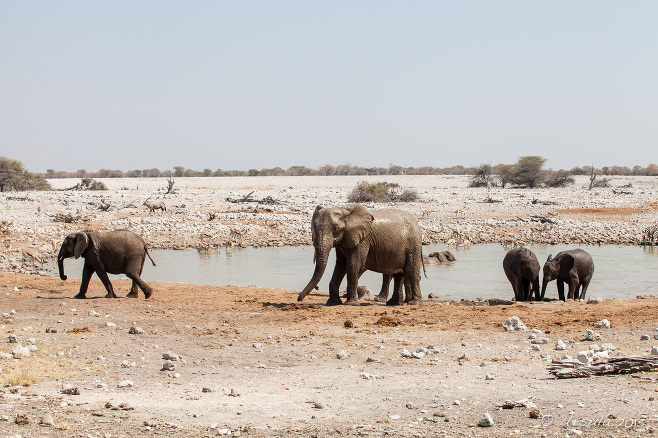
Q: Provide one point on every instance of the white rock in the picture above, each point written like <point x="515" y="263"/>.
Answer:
<point x="540" y="341"/>
<point x="94" y="313"/>
<point x="654" y="350"/>
<point x="170" y="356"/>
<point x="486" y="420"/>
<point x="591" y="335"/>
<point x="560" y="345"/>
<point x="514" y="323"/>
<point x="489" y="377"/>
<point x="12" y="339"/>
<point x="110" y="324"/>
<point x="604" y="323"/>
<point x="31" y="341"/>
<point x="608" y="347"/>
<point x="585" y="356"/>
<point x="125" y="384"/>
<point x="595" y="300"/>
<point x="20" y="351"/>
<point x="168" y="366"/>
<point x="456" y="402"/>
<point x="341" y="354"/>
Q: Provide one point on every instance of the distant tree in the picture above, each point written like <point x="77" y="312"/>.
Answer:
<point x="343" y="169"/>
<point x="13" y="176"/>
<point x="327" y="170"/>
<point x="559" y="178"/>
<point x="605" y="170"/>
<point x="504" y="173"/>
<point x="207" y="172"/>
<point x="395" y="170"/>
<point x="651" y="170"/>
<point x="151" y="173"/>
<point x="483" y="176"/>
<point x="81" y="173"/>
<point x="528" y="171"/>
<point x="134" y="174"/>
<point x="637" y="170"/>
<point x="253" y="172"/>
<point x="219" y="172"/>
<point x="179" y="171"/>
<point x="578" y="171"/>
<point x="116" y="174"/>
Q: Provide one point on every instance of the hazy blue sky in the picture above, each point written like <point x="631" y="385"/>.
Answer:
<point x="255" y="84"/>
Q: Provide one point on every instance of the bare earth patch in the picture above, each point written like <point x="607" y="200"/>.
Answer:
<point x="254" y="362"/>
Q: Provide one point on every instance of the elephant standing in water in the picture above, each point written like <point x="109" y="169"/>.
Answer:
<point x="114" y="252"/>
<point x="384" y="241"/>
<point x="522" y="270"/>
<point x="574" y="267"/>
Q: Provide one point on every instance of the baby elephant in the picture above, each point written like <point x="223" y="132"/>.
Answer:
<point x="114" y="252"/>
<point x="574" y="267"/>
<point x="522" y="270"/>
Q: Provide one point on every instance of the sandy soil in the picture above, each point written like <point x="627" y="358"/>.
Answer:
<point x="255" y="363"/>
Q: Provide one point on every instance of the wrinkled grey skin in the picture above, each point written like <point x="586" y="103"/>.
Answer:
<point x="522" y="270"/>
<point x="113" y="252"/>
<point x="574" y="267"/>
<point x="155" y="205"/>
<point x="384" y="241"/>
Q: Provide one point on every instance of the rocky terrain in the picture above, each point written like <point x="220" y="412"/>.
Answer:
<point x="204" y="361"/>
<point x="200" y="216"/>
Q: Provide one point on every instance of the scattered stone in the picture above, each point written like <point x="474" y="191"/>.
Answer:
<point x="348" y="324"/>
<point x="514" y="323"/>
<point x="608" y="347"/>
<point x="257" y="345"/>
<point x="486" y="420"/>
<point x="136" y="330"/>
<point x="170" y="356"/>
<point x="168" y="366"/>
<point x="94" y="313"/>
<point x="489" y="377"/>
<point x="234" y="393"/>
<point x="12" y="339"/>
<point x="604" y="323"/>
<point x="645" y="338"/>
<point x="411" y="406"/>
<point x="47" y="420"/>
<point x="341" y="354"/>
<point x="19" y="352"/>
<point x="125" y="384"/>
<point x="654" y="350"/>
<point x="534" y="414"/>
<point x="591" y="335"/>
<point x="110" y="324"/>
<point x="560" y="345"/>
<point x="456" y="402"/>
<point x="595" y="300"/>
<point x="206" y="389"/>
<point x="69" y="389"/>
<point x="21" y="420"/>
<point x="585" y="356"/>
<point x="540" y="341"/>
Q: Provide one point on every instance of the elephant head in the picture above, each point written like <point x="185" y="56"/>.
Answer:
<point x="337" y="227"/>
<point x="74" y="245"/>
<point x="551" y="272"/>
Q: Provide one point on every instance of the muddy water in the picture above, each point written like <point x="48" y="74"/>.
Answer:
<point x="621" y="271"/>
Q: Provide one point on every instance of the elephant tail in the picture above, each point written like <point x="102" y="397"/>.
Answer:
<point x="147" y="253"/>
<point x="422" y="259"/>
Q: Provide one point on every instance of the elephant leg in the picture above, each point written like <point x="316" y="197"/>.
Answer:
<point x="137" y="281"/>
<point x="572" y="290"/>
<point x="106" y="282"/>
<point x="134" y="293"/>
<point x="560" y="290"/>
<point x="584" y="291"/>
<point x="87" y="272"/>
<point x="516" y="285"/>
<point x="383" y="293"/>
<point x="407" y="291"/>
<point x="336" y="280"/>
<point x="398" y="297"/>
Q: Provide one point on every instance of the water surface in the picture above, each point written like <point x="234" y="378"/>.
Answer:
<point x="620" y="271"/>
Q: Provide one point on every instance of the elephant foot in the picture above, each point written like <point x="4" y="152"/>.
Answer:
<point x="415" y="302"/>
<point x="380" y="299"/>
<point x="110" y="295"/>
<point x="147" y="295"/>
<point x="132" y="295"/>
<point x="352" y="303"/>
<point x="392" y="302"/>
<point x="80" y="296"/>
<point x="334" y="301"/>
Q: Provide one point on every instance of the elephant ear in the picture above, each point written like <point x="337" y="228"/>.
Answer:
<point x="81" y="244"/>
<point x="314" y="231"/>
<point x="358" y="224"/>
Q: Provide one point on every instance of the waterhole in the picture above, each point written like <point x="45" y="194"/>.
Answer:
<point x="620" y="271"/>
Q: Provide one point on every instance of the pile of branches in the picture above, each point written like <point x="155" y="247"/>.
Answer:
<point x="67" y="218"/>
<point x="571" y="368"/>
<point x="248" y="198"/>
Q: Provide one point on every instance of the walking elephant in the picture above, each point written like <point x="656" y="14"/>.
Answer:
<point x="384" y="241"/>
<point x="522" y="270"/>
<point x="574" y="267"/>
<point x="113" y="252"/>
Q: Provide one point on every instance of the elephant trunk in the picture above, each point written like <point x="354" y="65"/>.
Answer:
<point x="543" y="288"/>
<point x="60" y="264"/>
<point x="322" y="250"/>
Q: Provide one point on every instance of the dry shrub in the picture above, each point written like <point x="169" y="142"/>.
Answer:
<point x="380" y="192"/>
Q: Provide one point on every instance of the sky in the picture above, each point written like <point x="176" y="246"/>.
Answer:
<point x="260" y="84"/>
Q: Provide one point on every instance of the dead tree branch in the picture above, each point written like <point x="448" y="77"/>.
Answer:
<point x="568" y="369"/>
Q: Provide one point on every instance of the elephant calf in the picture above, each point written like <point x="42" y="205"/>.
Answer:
<point x="574" y="267"/>
<point x="522" y="270"/>
<point x="113" y="252"/>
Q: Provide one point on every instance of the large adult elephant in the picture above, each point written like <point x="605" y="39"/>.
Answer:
<point x="113" y="252"/>
<point x="522" y="270"/>
<point x="384" y="241"/>
<point x="574" y="267"/>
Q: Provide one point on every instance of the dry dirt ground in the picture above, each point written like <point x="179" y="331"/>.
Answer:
<point x="256" y="363"/>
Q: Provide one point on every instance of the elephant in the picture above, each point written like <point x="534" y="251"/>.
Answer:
<point x="397" y="293"/>
<point x="114" y="252"/>
<point x="385" y="241"/>
<point x="155" y="205"/>
<point x="522" y="270"/>
<point x="440" y="257"/>
<point x="575" y="267"/>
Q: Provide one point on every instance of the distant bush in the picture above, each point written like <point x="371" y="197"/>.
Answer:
<point x="92" y="184"/>
<point x="483" y="176"/>
<point x="559" y="178"/>
<point x="380" y="192"/>
<point x="603" y="182"/>
<point x="14" y="177"/>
